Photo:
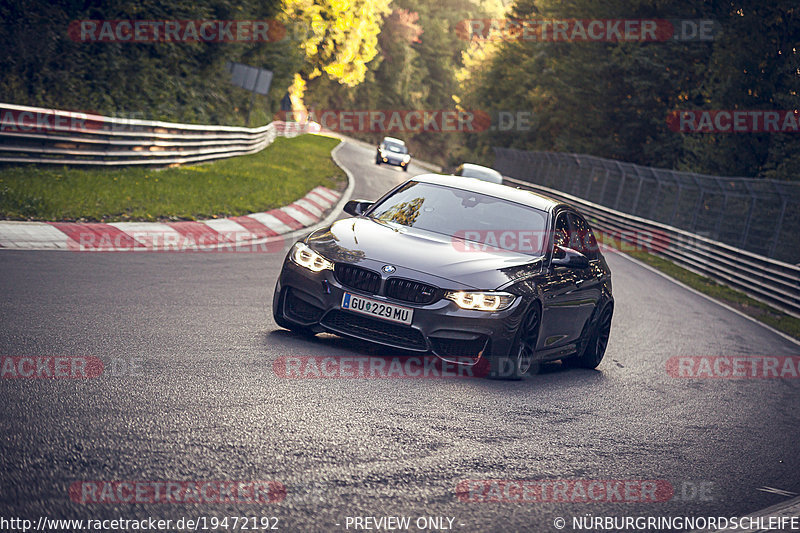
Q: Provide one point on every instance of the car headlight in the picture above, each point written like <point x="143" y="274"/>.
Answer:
<point x="308" y="258"/>
<point x="406" y="158"/>
<point x="481" y="301"/>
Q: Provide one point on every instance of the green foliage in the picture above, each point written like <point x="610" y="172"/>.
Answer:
<point x="416" y="68"/>
<point x="612" y="99"/>
<point x="178" y="81"/>
<point x="339" y="37"/>
<point x="755" y="65"/>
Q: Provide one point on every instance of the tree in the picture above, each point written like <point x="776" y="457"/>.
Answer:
<point x="184" y="81"/>
<point x="339" y="37"/>
<point x="755" y="65"/>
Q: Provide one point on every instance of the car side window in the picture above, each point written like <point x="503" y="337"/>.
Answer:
<point x="561" y="236"/>
<point x="582" y="238"/>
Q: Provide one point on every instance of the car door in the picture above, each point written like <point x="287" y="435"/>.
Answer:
<point x="589" y="280"/>
<point x="565" y="304"/>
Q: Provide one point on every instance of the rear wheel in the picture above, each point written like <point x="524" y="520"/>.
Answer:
<point x="521" y="357"/>
<point x="598" y="342"/>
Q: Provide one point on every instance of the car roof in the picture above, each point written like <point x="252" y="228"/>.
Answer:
<point x="473" y="166"/>
<point x="505" y="192"/>
<point x="394" y="140"/>
<point x="470" y="170"/>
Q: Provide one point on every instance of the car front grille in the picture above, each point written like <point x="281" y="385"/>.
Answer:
<point x="357" y="278"/>
<point x="375" y="330"/>
<point x="407" y="290"/>
<point x="451" y="348"/>
<point x="369" y="281"/>
<point x="299" y="309"/>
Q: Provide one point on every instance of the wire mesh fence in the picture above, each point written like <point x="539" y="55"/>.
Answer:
<point x="758" y="215"/>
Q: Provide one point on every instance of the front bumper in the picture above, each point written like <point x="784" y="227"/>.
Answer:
<point x="393" y="161"/>
<point x="313" y="300"/>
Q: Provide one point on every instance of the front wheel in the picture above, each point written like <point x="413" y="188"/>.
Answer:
<point x="521" y="357"/>
<point x="405" y="168"/>
<point x="598" y="342"/>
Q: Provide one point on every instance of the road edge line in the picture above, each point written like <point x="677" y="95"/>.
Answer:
<point x="710" y="298"/>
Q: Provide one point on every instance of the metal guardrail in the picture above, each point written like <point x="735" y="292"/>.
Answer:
<point x="767" y="280"/>
<point x="50" y="136"/>
<point x="754" y="214"/>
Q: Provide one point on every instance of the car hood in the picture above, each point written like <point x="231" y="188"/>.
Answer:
<point x="364" y="241"/>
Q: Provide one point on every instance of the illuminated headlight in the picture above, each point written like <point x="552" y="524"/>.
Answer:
<point x="481" y="301"/>
<point x="406" y="158"/>
<point x="308" y="258"/>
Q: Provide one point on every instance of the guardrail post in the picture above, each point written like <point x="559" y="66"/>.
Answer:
<point x="677" y="199"/>
<point x="621" y="187"/>
<point x="718" y="225"/>
<point x="638" y="189"/>
<point x="746" y="232"/>
<point x="699" y="204"/>
<point x="778" y="228"/>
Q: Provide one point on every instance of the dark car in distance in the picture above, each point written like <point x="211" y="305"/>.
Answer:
<point x="471" y="271"/>
<point x="393" y="152"/>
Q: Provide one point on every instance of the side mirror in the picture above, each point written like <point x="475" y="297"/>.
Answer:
<point x="569" y="258"/>
<point x="357" y="207"/>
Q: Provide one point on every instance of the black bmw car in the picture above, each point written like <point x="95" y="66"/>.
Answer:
<point x="474" y="272"/>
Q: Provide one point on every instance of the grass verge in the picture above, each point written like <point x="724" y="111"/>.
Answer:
<point x="283" y="172"/>
<point x="736" y="299"/>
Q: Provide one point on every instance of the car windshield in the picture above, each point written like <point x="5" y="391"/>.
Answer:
<point x="469" y="217"/>
<point x="394" y="147"/>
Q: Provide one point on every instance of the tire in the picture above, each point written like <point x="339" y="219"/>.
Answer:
<point x="521" y="357"/>
<point x="277" y="315"/>
<point x="598" y="342"/>
<point x="405" y="168"/>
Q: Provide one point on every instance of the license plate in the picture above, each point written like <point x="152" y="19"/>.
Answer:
<point x="368" y="306"/>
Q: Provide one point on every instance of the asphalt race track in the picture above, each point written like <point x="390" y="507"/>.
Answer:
<point x="189" y="393"/>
